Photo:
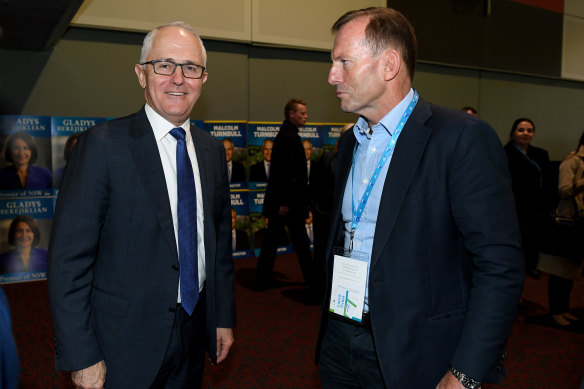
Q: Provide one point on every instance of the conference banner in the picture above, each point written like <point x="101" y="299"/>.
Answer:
<point x="233" y="136"/>
<point x="65" y="131"/>
<point x="25" y="225"/>
<point x="240" y="231"/>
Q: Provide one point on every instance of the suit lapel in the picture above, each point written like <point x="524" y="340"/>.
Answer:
<point x="344" y="162"/>
<point x="147" y="158"/>
<point x="404" y="162"/>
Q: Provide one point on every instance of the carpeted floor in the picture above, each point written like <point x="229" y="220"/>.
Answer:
<point x="277" y="329"/>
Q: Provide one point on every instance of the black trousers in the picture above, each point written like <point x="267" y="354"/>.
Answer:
<point x="348" y="359"/>
<point x="559" y="290"/>
<point x="300" y="243"/>
<point x="184" y="361"/>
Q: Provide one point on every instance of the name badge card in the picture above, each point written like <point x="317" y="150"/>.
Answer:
<point x="348" y="286"/>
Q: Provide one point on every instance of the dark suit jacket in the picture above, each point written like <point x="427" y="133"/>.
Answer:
<point x="257" y="172"/>
<point x="288" y="182"/>
<point x="531" y="185"/>
<point x="8" y="352"/>
<point x="113" y="262"/>
<point x="446" y="267"/>
<point x="237" y="172"/>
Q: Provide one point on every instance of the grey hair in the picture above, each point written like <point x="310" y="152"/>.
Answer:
<point x="147" y="45"/>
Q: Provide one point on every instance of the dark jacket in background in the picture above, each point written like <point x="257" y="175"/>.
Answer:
<point x="288" y="184"/>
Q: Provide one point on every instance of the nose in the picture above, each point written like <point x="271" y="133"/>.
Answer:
<point x="177" y="76"/>
<point x="333" y="77"/>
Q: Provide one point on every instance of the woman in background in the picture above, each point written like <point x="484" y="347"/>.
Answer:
<point x="528" y="166"/>
<point x="566" y="262"/>
<point x="24" y="234"/>
<point x="21" y="153"/>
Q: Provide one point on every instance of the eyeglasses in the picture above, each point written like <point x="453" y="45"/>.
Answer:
<point x="166" y="67"/>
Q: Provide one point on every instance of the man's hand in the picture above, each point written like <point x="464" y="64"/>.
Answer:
<point x="92" y="377"/>
<point x="224" y="342"/>
<point x="449" y="381"/>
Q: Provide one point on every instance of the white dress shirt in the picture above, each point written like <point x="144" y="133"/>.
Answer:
<point x="167" y="148"/>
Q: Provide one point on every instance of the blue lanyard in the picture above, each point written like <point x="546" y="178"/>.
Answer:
<point x="384" y="158"/>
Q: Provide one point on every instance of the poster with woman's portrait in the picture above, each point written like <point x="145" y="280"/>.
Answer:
<point x="65" y="132"/>
<point x="25" y="225"/>
<point x="26" y="163"/>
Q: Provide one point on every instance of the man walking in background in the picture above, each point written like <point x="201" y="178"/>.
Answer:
<point x="286" y="200"/>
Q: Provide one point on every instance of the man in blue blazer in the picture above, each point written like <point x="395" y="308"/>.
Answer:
<point x="114" y="267"/>
<point x="433" y="218"/>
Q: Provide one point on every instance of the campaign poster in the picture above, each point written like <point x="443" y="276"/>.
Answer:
<point x="233" y="135"/>
<point x="331" y="134"/>
<point x="260" y="141"/>
<point x="258" y="225"/>
<point x="240" y="232"/>
<point x="26" y="162"/>
<point x="312" y="141"/>
<point x="25" y="225"/>
<point x="65" y="133"/>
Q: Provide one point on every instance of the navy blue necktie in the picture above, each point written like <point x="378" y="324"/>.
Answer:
<point x="187" y="224"/>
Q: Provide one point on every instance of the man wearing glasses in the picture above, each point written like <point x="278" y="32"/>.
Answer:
<point x="141" y="274"/>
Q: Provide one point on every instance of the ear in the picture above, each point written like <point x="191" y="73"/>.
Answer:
<point x="141" y="73"/>
<point x="204" y="78"/>
<point x="391" y="64"/>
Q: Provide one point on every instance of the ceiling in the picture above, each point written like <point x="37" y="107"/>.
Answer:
<point x="34" y="24"/>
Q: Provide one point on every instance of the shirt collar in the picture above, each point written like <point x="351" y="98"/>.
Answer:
<point x="161" y="126"/>
<point x="389" y="122"/>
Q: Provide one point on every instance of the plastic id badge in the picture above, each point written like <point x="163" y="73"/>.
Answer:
<point x="348" y="285"/>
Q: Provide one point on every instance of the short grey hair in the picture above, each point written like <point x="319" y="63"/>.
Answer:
<point x="147" y="45"/>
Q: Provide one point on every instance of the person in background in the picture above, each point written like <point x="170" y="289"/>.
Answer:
<point x="21" y="153"/>
<point x="24" y="234"/>
<point x="529" y="167"/>
<point x="565" y="261"/>
<point x="141" y="277"/>
<point x="286" y="200"/>
<point x="470" y="110"/>
<point x="9" y="369"/>
<point x="260" y="171"/>
<point x="424" y="262"/>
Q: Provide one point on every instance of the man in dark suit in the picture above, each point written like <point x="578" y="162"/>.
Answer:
<point x="286" y="200"/>
<point x="258" y="172"/>
<point x="114" y="266"/>
<point x="429" y="220"/>
<point x="235" y="169"/>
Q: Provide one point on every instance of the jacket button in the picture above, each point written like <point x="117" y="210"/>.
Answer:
<point x="174" y="267"/>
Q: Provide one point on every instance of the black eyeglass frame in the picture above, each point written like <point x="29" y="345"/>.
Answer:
<point x="155" y="61"/>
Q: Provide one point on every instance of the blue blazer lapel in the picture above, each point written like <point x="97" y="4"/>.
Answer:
<point x="404" y="162"/>
<point x="147" y="158"/>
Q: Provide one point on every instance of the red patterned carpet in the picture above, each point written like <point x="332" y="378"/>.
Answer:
<point x="276" y="334"/>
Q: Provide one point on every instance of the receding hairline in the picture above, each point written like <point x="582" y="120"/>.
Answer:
<point x="149" y="38"/>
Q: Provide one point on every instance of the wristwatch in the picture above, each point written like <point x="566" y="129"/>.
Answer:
<point x="466" y="381"/>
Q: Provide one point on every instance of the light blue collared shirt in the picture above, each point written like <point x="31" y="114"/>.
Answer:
<point x="369" y="149"/>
